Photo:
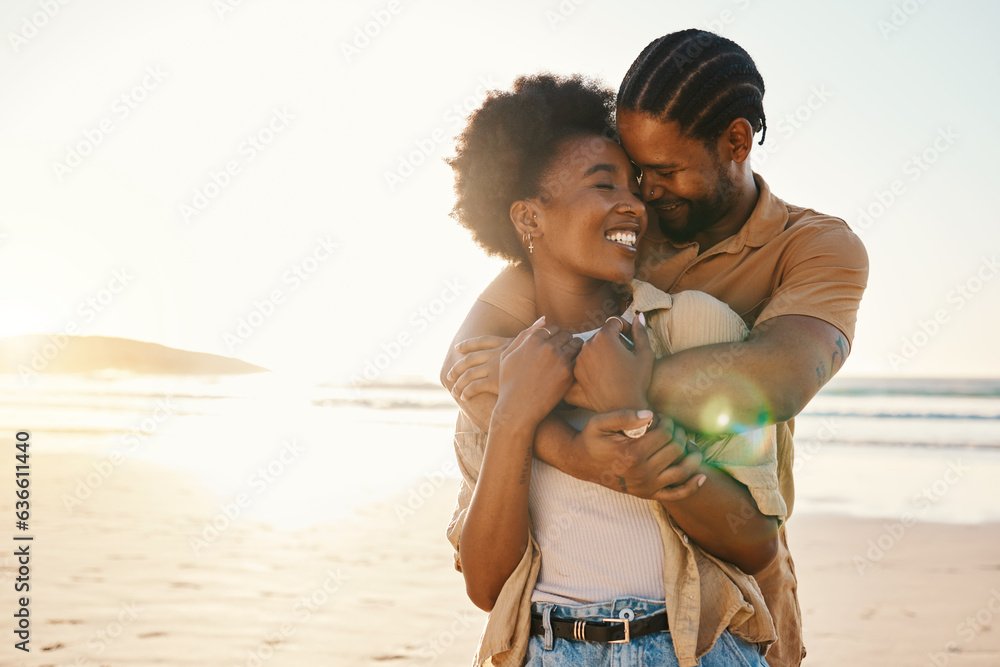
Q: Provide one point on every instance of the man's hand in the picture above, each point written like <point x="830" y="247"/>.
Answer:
<point x="478" y="369"/>
<point x="656" y="465"/>
<point x="483" y="319"/>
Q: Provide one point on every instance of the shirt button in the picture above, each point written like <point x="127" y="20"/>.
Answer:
<point x="685" y="539"/>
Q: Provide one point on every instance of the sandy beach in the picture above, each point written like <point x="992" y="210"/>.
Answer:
<point x="150" y="570"/>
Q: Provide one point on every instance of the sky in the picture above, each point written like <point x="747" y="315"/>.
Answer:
<point x="265" y="179"/>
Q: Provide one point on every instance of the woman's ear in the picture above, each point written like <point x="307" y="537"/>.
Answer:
<point x="524" y="215"/>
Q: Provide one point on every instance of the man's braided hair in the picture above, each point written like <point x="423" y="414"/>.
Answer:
<point x="698" y="79"/>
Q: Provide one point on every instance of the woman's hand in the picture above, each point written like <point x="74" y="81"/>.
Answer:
<point x="611" y="377"/>
<point x="536" y="370"/>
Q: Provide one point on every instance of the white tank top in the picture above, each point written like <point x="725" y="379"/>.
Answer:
<point x="596" y="544"/>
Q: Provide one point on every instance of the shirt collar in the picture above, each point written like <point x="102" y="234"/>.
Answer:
<point x="769" y="218"/>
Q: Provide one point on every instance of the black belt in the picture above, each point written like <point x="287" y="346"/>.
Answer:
<point x="608" y="630"/>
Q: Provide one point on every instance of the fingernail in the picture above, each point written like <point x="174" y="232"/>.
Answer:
<point x="644" y="414"/>
<point x="540" y="320"/>
<point x="702" y="480"/>
<point x="642" y="319"/>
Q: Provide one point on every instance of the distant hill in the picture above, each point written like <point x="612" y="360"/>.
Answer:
<point x="52" y="353"/>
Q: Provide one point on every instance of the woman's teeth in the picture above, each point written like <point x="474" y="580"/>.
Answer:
<point x="624" y="238"/>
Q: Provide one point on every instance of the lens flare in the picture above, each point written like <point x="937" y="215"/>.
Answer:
<point x="719" y="416"/>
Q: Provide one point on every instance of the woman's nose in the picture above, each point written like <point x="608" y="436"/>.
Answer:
<point x="634" y="207"/>
<point x="634" y="203"/>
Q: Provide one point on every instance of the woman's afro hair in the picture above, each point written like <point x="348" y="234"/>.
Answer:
<point x="508" y="145"/>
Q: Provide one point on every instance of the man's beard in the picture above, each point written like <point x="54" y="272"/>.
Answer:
<point x="703" y="212"/>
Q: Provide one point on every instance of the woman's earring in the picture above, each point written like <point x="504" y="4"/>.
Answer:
<point x="527" y="237"/>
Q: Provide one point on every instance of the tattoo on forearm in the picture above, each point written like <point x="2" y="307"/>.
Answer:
<point x="839" y="357"/>
<point x="840" y="354"/>
<point x="527" y="466"/>
<point x="622" y="486"/>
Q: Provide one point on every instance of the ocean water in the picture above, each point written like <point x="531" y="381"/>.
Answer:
<point x="926" y="449"/>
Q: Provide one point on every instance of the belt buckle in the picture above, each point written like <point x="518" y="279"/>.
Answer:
<point x="625" y="621"/>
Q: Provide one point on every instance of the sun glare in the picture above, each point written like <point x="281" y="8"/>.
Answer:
<point x="18" y="317"/>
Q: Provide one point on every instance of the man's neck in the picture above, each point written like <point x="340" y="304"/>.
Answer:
<point x="734" y="218"/>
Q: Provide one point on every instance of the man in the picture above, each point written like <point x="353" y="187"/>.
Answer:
<point x="688" y="111"/>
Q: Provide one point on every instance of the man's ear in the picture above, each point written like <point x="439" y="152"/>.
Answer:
<point x="737" y="140"/>
<point x="524" y="215"/>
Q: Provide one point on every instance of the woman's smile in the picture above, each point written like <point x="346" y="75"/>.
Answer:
<point x="623" y="237"/>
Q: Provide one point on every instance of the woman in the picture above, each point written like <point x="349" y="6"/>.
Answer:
<point x="569" y="569"/>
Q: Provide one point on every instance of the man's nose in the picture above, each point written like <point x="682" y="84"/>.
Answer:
<point x="649" y="190"/>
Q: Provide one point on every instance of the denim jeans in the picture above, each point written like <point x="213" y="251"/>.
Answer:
<point x="653" y="649"/>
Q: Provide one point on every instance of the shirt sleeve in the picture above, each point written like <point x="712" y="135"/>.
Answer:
<point x="470" y="446"/>
<point x="689" y="319"/>
<point x="508" y="626"/>
<point x="750" y="458"/>
<point x="513" y="291"/>
<point x="675" y="322"/>
<point x="825" y="275"/>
